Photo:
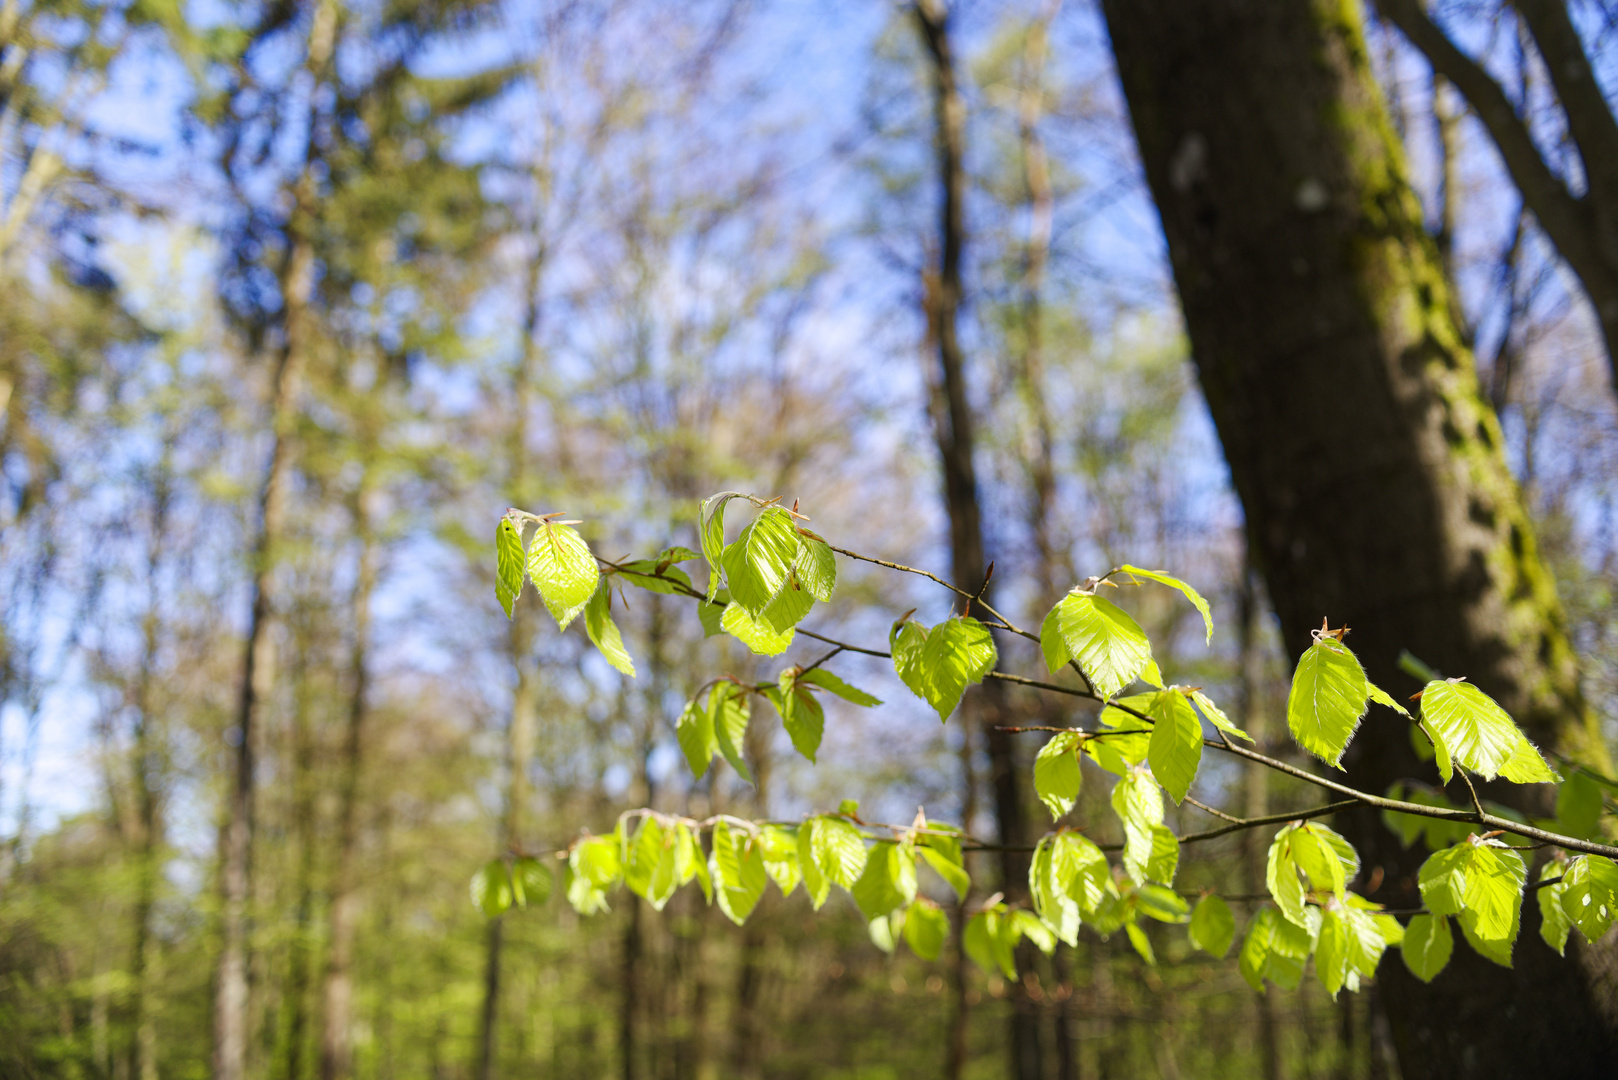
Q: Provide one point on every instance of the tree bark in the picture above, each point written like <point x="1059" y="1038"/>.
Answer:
<point x="985" y="705"/>
<point x="1368" y="464"/>
<point x="337" y="988"/>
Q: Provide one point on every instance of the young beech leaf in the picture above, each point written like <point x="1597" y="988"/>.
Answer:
<point x="593" y="866"/>
<point x="1349" y="948"/>
<point x="1142" y="943"/>
<point x="1382" y="697"/>
<point x="640" y="855"/>
<point x="1175" y="749"/>
<point x="1079" y="869"/>
<point x="888" y="880"/>
<point x="926" y="929"/>
<point x="1480" y="882"/>
<point x="1590" y="894"/>
<point x="531" y="882"/>
<point x="728" y="710"/>
<point x="1213" y="928"/>
<point x="711" y="531"/>
<point x="1216" y="716"/>
<point x="1427" y="946"/>
<point x="1138" y="802"/>
<point x="827" y="681"/>
<point x="943" y="854"/>
<point x="1527" y="766"/>
<point x="1161" y="903"/>
<point x="1110" y="647"/>
<point x="508" y="564"/>
<point x="491" y="888"/>
<point x="781" y="857"/>
<point x="1051" y="903"/>
<point x="1051" y="644"/>
<point x="757" y="634"/>
<point x="801" y="713"/>
<point x="1165" y="858"/>
<point x="562" y="569"/>
<point x="789" y="607"/>
<point x="1175" y="583"/>
<point x="1315" y="852"/>
<point x="1117" y="752"/>
<point x="1476" y="730"/>
<point x="830" y="852"/>
<point x="603" y="631"/>
<point x="817" y="566"/>
<point x="1554" y="925"/>
<point x="938" y="664"/>
<point x="1057" y="778"/>
<point x="759" y="562"/>
<point x="695" y="733"/>
<point x="1277" y="948"/>
<point x="989" y="938"/>
<point x="737" y="866"/>
<point x="1327" y="699"/>
<point x="712" y="614"/>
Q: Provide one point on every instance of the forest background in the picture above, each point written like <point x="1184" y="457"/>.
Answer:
<point x="295" y="300"/>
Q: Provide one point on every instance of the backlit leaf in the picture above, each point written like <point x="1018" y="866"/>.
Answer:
<point x="562" y="569"/>
<point x="757" y="634"/>
<point x="1110" y="647"/>
<point x="926" y="929"/>
<point x="1057" y="778"/>
<point x="603" y="631"/>
<point x="737" y="866"/>
<point x="1327" y="699"/>
<point x="1175" y="583"/>
<point x="1427" y="946"/>
<point x="1175" y="749"/>
<point x="1138" y="802"/>
<point x="695" y="733"/>
<point x="508" y="557"/>
<point x="938" y="664"/>
<point x="1478" y="732"/>
<point x="728" y="710"/>
<point x="1213" y="928"/>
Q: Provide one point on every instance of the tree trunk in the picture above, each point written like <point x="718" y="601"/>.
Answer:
<point x="1251" y="699"/>
<point x="1368" y="463"/>
<point x="337" y="989"/>
<point x="983" y="706"/>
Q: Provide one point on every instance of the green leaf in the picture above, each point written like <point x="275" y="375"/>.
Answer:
<point x="1382" y="697"/>
<point x="1213" y="928"/>
<point x="950" y="870"/>
<point x="1142" y="943"/>
<point x="594" y="866"/>
<point x="1165" y="855"/>
<point x="986" y="942"/>
<point x="882" y="931"/>
<point x="1477" y="731"/>
<point x="1051" y="902"/>
<point x="789" y="607"/>
<point x="712" y="615"/>
<point x="531" y="882"/>
<point x="1162" y="903"/>
<point x="835" y="850"/>
<point x="1282" y="879"/>
<point x="801" y="713"/>
<point x="1110" y="647"/>
<point x="1118" y="752"/>
<point x="1554" y="923"/>
<point x="656" y="576"/>
<point x="1175" y="749"/>
<point x="757" y="634"/>
<point x="695" y="733"/>
<point x="1057" y="778"/>
<point x="1590" y="894"/>
<point x="1446" y="763"/>
<point x="603" y="631"/>
<point x="938" y="664"/>
<point x="728" y="710"/>
<point x="563" y="570"/>
<point x="1527" y="765"/>
<point x="888" y="880"/>
<point x="1175" y="583"/>
<point x="1019" y="923"/>
<point x="711" y="531"/>
<point x="1427" y="946"/>
<point x="758" y="564"/>
<point x="1051" y="643"/>
<point x="641" y="855"/>
<point x="1138" y="802"/>
<point x="827" y="681"/>
<point x="1481" y="883"/>
<point x="926" y="929"/>
<point x="1578" y="806"/>
<point x="737" y="865"/>
<point x="1277" y="948"/>
<point x="780" y="846"/>
<point x="508" y="558"/>
<point x="1216" y="716"/>
<point x="491" y="889"/>
<point x="1327" y="699"/>
<point x="1079" y="870"/>
<point x="817" y="566"/>
<point x="1350" y="947"/>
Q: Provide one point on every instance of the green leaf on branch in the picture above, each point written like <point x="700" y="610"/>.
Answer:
<point x="1276" y="948"/>
<point x="531" y="882"/>
<point x="817" y="566"/>
<point x="827" y="681"/>
<point x="926" y="929"/>
<point x="695" y="733"/>
<point x="562" y="569"/>
<point x="1308" y="851"/>
<point x="757" y="634"/>
<point x="1382" y="697"/>
<point x="780" y="847"/>
<point x="1327" y="700"/>
<point x="1349" y="948"/>
<point x="1110" y="647"/>
<point x="1079" y="869"/>
<point x="603" y="631"/>
<point x="712" y="614"/>
<point x="508" y="564"/>
<point x="491" y="889"/>
<point x="1138" y="802"/>
<point x="1590" y="894"/>
<point x="758" y="564"/>
<point x="737" y="866"/>
<point x="1162" y="903"/>
<point x="888" y="880"/>
<point x="1175" y="748"/>
<point x="1165" y="858"/>
<point x="1050" y="899"/>
<point x="1478" y="733"/>
<point x="641" y="854"/>
<point x="1216" y="716"/>
<point x="1554" y="924"/>
<point x="1213" y="928"/>
<point x="989" y="938"/>
<point x="938" y="664"/>
<point x="1175" y="583"/>
<point x="1527" y="765"/>
<point x="801" y="713"/>
<point x="1117" y="753"/>
<point x="594" y="866"/>
<point x="728" y="711"/>
<point x="830" y="852"/>
<point x="943" y="854"/>
<point x="711" y="531"/>
<point x="1427" y="946"/>
<point x="1480" y="882"/>
<point x="1142" y="943"/>
<point x="1057" y="777"/>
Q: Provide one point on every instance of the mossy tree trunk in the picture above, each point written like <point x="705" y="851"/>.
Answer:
<point x="1368" y="463"/>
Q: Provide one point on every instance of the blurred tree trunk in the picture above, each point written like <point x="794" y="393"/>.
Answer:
<point x="337" y="989"/>
<point x="983" y="707"/>
<point x="300" y="958"/>
<point x="1252" y="700"/>
<point x="1368" y="463"/>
